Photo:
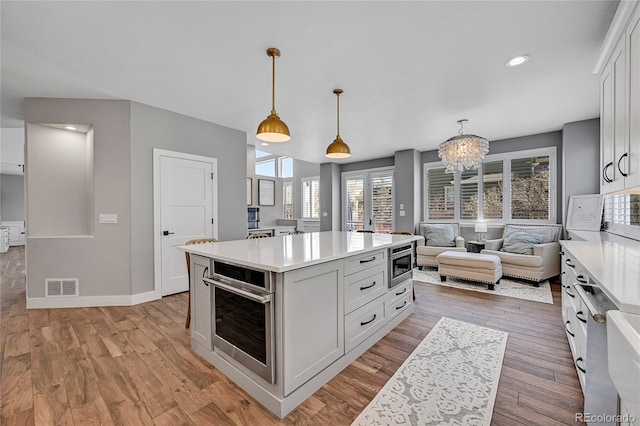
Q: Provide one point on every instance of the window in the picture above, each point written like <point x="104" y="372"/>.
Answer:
<point x="311" y="198"/>
<point x="368" y="200"/>
<point x="285" y="166"/>
<point x="528" y="195"/>
<point x="440" y="196"/>
<point x="622" y="214"/>
<point x="287" y="199"/>
<point x="266" y="168"/>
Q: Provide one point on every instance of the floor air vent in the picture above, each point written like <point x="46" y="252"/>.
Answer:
<point x="61" y="287"/>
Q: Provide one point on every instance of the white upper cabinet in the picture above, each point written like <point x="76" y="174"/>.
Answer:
<point x="620" y="106"/>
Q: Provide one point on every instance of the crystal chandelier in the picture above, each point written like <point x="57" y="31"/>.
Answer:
<point x="463" y="151"/>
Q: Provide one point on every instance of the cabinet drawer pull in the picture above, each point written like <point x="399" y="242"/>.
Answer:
<point x="568" y="262"/>
<point x="368" y="286"/>
<point x="370" y="321"/>
<point x="579" y="359"/>
<point x="581" y="279"/>
<point x="566" y="290"/>
<point x="579" y="317"/>
<point x="403" y="305"/>
<point x="404" y="290"/>
<point x="204" y="274"/>
<point x="626" y="154"/>
<point x="368" y="260"/>
<point x="606" y="177"/>
<point x="561" y="253"/>
<point x="566" y="328"/>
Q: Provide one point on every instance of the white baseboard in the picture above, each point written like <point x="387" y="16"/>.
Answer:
<point x="89" y="301"/>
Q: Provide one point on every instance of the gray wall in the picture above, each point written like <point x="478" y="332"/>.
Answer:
<point x="102" y="261"/>
<point x="407" y="189"/>
<point x="368" y="164"/>
<point x="580" y="161"/>
<point x="156" y="128"/>
<point x="330" y="190"/>
<point x="12" y="190"/>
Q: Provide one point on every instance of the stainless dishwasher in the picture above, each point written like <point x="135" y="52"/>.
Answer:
<point x="600" y="396"/>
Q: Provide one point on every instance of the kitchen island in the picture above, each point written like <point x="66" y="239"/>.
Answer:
<point x="281" y="316"/>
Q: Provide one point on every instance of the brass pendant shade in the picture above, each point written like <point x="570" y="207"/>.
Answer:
<point x="338" y="149"/>
<point x="272" y="128"/>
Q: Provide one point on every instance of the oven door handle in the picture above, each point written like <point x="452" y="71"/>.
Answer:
<point x="261" y="298"/>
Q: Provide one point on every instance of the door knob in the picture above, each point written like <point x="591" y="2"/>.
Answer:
<point x="167" y="233"/>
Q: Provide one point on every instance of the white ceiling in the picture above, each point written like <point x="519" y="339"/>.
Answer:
<point x="409" y="70"/>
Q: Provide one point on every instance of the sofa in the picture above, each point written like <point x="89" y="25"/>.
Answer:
<point x="439" y="237"/>
<point x="528" y="251"/>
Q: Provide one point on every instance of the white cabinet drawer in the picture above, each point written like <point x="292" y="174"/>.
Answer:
<point x="398" y="306"/>
<point x="363" y="322"/>
<point x="364" y="261"/>
<point x="362" y="287"/>
<point x="399" y="291"/>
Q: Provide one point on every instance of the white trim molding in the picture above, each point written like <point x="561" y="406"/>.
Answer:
<point x="89" y="301"/>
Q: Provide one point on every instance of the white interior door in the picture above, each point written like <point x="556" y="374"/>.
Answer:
<point x="186" y="212"/>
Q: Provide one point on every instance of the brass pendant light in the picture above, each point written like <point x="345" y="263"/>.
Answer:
<point x="272" y="129"/>
<point x="338" y="149"/>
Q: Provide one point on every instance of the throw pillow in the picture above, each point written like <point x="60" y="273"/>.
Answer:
<point x="521" y="242"/>
<point x="439" y="235"/>
<point x="548" y="233"/>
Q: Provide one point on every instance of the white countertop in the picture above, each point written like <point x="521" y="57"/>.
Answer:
<point x="614" y="264"/>
<point x="289" y="252"/>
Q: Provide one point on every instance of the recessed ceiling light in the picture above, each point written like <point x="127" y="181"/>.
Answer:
<point x="517" y="60"/>
<point x="264" y="144"/>
<point x="70" y="128"/>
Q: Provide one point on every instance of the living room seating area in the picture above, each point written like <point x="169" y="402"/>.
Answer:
<point x="529" y="252"/>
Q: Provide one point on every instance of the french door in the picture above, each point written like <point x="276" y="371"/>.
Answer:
<point x="368" y="201"/>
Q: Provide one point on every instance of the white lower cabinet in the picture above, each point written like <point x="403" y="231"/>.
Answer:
<point x="313" y="333"/>
<point x="363" y="322"/>
<point x="396" y="304"/>
<point x="200" y="301"/>
<point x="362" y="287"/>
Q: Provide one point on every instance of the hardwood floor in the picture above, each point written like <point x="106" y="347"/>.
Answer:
<point x="133" y="365"/>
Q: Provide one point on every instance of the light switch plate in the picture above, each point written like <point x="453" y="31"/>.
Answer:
<point x="325" y="214"/>
<point x="108" y="218"/>
<point x="401" y="206"/>
<point x="402" y="212"/>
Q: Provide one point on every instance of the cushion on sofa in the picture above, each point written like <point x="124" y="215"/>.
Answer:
<point x="549" y="233"/>
<point x="521" y="242"/>
<point x="439" y="235"/>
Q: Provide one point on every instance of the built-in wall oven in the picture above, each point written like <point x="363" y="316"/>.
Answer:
<point x="400" y="264"/>
<point x="243" y="317"/>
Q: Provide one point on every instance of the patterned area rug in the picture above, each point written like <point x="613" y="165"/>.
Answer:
<point x="451" y="378"/>
<point x="507" y="287"/>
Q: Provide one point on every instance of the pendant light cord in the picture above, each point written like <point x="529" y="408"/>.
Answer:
<point x="338" y="112"/>
<point x="273" y="85"/>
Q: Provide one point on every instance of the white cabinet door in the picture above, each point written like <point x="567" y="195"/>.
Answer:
<point x="200" y="301"/>
<point x="313" y="334"/>
<point x="632" y="160"/>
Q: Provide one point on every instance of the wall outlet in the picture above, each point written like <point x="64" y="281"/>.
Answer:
<point x="402" y="207"/>
<point x="108" y="218"/>
<point x="325" y="214"/>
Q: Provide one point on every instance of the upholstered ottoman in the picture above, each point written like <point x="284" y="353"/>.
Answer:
<point x="484" y="268"/>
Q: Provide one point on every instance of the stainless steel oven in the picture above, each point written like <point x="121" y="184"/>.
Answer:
<point x="400" y="264"/>
<point x="243" y="317"/>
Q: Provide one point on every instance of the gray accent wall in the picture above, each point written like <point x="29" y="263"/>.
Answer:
<point x="12" y="203"/>
<point x="580" y="161"/>
<point x="157" y="128"/>
<point x="330" y="201"/>
<point x="407" y="189"/>
<point x="102" y="260"/>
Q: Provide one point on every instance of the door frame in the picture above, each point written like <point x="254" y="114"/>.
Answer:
<point x="157" y="229"/>
<point x="366" y="175"/>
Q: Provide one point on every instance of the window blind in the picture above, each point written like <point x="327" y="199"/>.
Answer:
<point x="355" y="204"/>
<point x="440" y="194"/>
<point x="469" y="194"/>
<point x="382" y="202"/>
<point x="530" y="182"/>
